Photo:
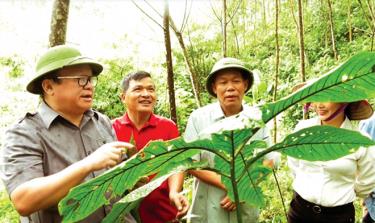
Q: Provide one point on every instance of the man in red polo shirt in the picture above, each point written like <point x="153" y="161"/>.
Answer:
<point x="140" y="125"/>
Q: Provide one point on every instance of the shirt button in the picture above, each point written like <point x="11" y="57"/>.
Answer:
<point x="89" y="152"/>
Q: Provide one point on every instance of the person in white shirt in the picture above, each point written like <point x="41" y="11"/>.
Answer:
<point x="228" y="81"/>
<point x="324" y="191"/>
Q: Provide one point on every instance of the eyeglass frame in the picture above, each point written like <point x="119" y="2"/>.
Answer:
<point x="93" y="79"/>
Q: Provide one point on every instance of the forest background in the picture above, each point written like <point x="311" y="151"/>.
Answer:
<point x="284" y="42"/>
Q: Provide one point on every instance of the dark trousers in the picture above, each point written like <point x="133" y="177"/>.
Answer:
<point x="367" y="219"/>
<point x="302" y="211"/>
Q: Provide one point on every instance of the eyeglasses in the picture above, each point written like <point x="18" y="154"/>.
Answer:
<point x="82" y="80"/>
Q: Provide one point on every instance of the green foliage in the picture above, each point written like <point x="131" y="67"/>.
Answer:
<point x="7" y="211"/>
<point x="131" y="200"/>
<point x="107" y="92"/>
<point x="305" y="144"/>
<point x="236" y="158"/>
<point x="14" y="66"/>
<point x="350" y="82"/>
<point x="90" y="195"/>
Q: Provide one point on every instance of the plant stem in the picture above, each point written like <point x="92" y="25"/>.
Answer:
<point x="234" y="183"/>
<point x="279" y="189"/>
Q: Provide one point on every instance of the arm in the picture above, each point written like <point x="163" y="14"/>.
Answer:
<point x="175" y="183"/>
<point x="44" y="192"/>
<point x="208" y="177"/>
<point x="214" y="179"/>
<point x="365" y="181"/>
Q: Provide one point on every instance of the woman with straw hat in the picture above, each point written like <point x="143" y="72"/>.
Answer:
<point x="324" y="191"/>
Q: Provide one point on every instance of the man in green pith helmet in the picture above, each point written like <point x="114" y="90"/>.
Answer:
<point x="228" y="81"/>
<point x="64" y="143"/>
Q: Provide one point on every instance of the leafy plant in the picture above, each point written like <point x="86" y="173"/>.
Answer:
<point x="237" y="155"/>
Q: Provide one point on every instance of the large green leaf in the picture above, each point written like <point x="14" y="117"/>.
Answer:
<point x="238" y="163"/>
<point x="89" y="196"/>
<point x="322" y="143"/>
<point x="127" y="203"/>
<point x="319" y="143"/>
<point x="352" y="81"/>
<point x="248" y="185"/>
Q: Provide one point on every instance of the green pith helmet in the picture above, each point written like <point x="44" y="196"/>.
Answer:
<point x="228" y="63"/>
<point x="56" y="58"/>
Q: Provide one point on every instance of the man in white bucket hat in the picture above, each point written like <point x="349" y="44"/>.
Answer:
<point x="228" y="81"/>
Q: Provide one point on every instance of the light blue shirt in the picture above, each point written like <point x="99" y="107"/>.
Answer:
<point x="368" y="126"/>
<point x="206" y="198"/>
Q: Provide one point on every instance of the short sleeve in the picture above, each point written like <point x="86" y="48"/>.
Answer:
<point x="21" y="157"/>
<point x="173" y="131"/>
<point x="365" y="182"/>
<point x="191" y="133"/>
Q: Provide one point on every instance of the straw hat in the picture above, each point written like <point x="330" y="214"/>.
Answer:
<point x="357" y="110"/>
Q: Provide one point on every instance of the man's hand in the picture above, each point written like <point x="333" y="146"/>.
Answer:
<point x="227" y="204"/>
<point x="180" y="202"/>
<point x="108" y="155"/>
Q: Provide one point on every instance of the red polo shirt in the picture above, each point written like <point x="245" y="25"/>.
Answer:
<point x="156" y="207"/>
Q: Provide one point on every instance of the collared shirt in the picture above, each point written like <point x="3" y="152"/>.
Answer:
<point x="155" y="207"/>
<point x="43" y="144"/>
<point x="336" y="182"/>
<point x="206" y="198"/>
<point x="368" y="127"/>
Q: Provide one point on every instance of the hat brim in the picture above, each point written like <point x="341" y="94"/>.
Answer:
<point x="359" y="110"/>
<point x="34" y="86"/>
<point x="211" y="77"/>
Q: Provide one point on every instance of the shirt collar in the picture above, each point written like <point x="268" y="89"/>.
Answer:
<point x="218" y="113"/>
<point x="153" y="121"/>
<point x="48" y="115"/>
<point x="346" y="124"/>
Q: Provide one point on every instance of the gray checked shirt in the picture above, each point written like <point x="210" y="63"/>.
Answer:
<point x="45" y="143"/>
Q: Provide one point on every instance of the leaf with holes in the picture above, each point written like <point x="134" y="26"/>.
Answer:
<point x="331" y="144"/>
<point x="127" y="203"/>
<point x="352" y="81"/>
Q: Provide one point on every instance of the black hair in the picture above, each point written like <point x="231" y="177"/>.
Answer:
<point x="51" y="75"/>
<point x="138" y="75"/>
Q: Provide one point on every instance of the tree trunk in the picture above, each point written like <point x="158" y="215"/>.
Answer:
<point x="193" y="75"/>
<point x="370" y="20"/>
<point x="224" y="27"/>
<point x="264" y="19"/>
<point x="172" y="101"/>
<point x="276" y="67"/>
<point x="331" y="26"/>
<point x="372" y="14"/>
<point x="237" y="43"/>
<point x="301" y="46"/>
<point x="59" y="21"/>
<point x="301" y="41"/>
<point x="350" y="33"/>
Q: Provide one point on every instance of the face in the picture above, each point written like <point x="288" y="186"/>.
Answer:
<point x="229" y="87"/>
<point x="325" y="109"/>
<point x="66" y="95"/>
<point x="140" y="97"/>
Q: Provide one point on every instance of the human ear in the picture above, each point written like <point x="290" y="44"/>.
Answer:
<point x="213" y="86"/>
<point x="47" y="87"/>
<point x="122" y="97"/>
